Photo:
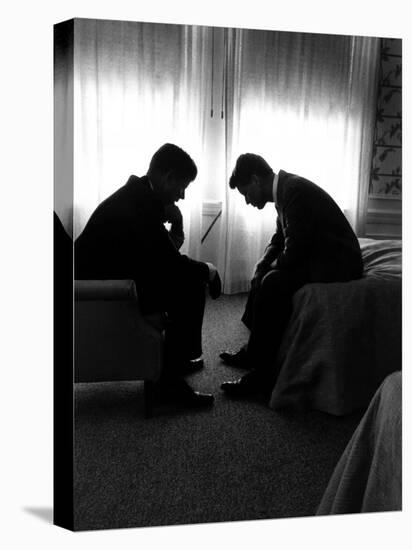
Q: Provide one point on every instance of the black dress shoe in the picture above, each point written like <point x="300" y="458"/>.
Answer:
<point x="249" y="384"/>
<point x="215" y="287"/>
<point x="196" y="400"/>
<point x="190" y="366"/>
<point x="237" y="359"/>
<point x="178" y="392"/>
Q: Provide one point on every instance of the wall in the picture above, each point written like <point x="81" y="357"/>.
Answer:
<point x="384" y="218"/>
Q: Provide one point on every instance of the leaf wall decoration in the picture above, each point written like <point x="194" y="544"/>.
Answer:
<point x="386" y="80"/>
<point x="385" y="153"/>
<point x="379" y="115"/>
<point x="387" y="142"/>
<point x="394" y="129"/>
<point x="387" y="97"/>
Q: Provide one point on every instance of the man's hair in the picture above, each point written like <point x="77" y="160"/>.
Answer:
<point x="247" y="165"/>
<point x="171" y="158"/>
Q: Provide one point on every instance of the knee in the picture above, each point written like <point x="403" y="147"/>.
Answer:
<point x="271" y="280"/>
<point x="269" y="286"/>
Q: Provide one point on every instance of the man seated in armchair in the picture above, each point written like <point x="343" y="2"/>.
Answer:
<point x="125" y="238"/>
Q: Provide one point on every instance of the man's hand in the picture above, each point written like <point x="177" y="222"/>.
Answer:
<point x="175" y="218"/>
<point x="173" y="215"/>
<point x="215" y="284"/>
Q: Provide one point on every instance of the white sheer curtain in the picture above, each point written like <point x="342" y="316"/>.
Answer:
<point x="136" y="86"/>
<point x="305" y="103"/>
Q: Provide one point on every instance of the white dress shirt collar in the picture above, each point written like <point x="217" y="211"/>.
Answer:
<point x="275" y="188"/>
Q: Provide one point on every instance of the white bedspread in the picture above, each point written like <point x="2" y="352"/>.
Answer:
<point x="343" y="339"/>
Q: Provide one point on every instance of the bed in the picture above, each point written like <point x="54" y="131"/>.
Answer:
<point x="368" y="476"/>
<point x="343" y="339"/>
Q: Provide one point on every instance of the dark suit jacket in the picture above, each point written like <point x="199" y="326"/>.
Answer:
<point x="312" y="233"/>
<point x="125" y="238"/>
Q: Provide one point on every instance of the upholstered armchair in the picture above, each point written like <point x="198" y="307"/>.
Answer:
<point x="113" y="340"/>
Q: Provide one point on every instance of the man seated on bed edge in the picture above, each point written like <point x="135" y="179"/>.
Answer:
<point x="125" y="238"/>
<point x="313" y="242"/>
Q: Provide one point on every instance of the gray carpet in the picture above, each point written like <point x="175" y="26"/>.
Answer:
<point x="237" y="461"/>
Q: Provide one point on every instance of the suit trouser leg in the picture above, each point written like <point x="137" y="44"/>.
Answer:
<point x="271" y="311"/>
<point x="247" y="317"/>
<point x="185" y="311"/>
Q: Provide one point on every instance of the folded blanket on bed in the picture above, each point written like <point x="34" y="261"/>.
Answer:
<point x="368" y="476"/>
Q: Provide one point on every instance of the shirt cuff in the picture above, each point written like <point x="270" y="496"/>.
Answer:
<point x="212" y="271"/>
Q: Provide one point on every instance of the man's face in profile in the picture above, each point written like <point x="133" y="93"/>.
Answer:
<point x="173" y="189"/>
<point x="253" y="193"/>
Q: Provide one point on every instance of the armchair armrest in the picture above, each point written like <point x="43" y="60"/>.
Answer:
<point x="105" y="290"/>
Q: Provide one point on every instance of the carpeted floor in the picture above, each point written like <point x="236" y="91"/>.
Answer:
<point x="237" y="461"/>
